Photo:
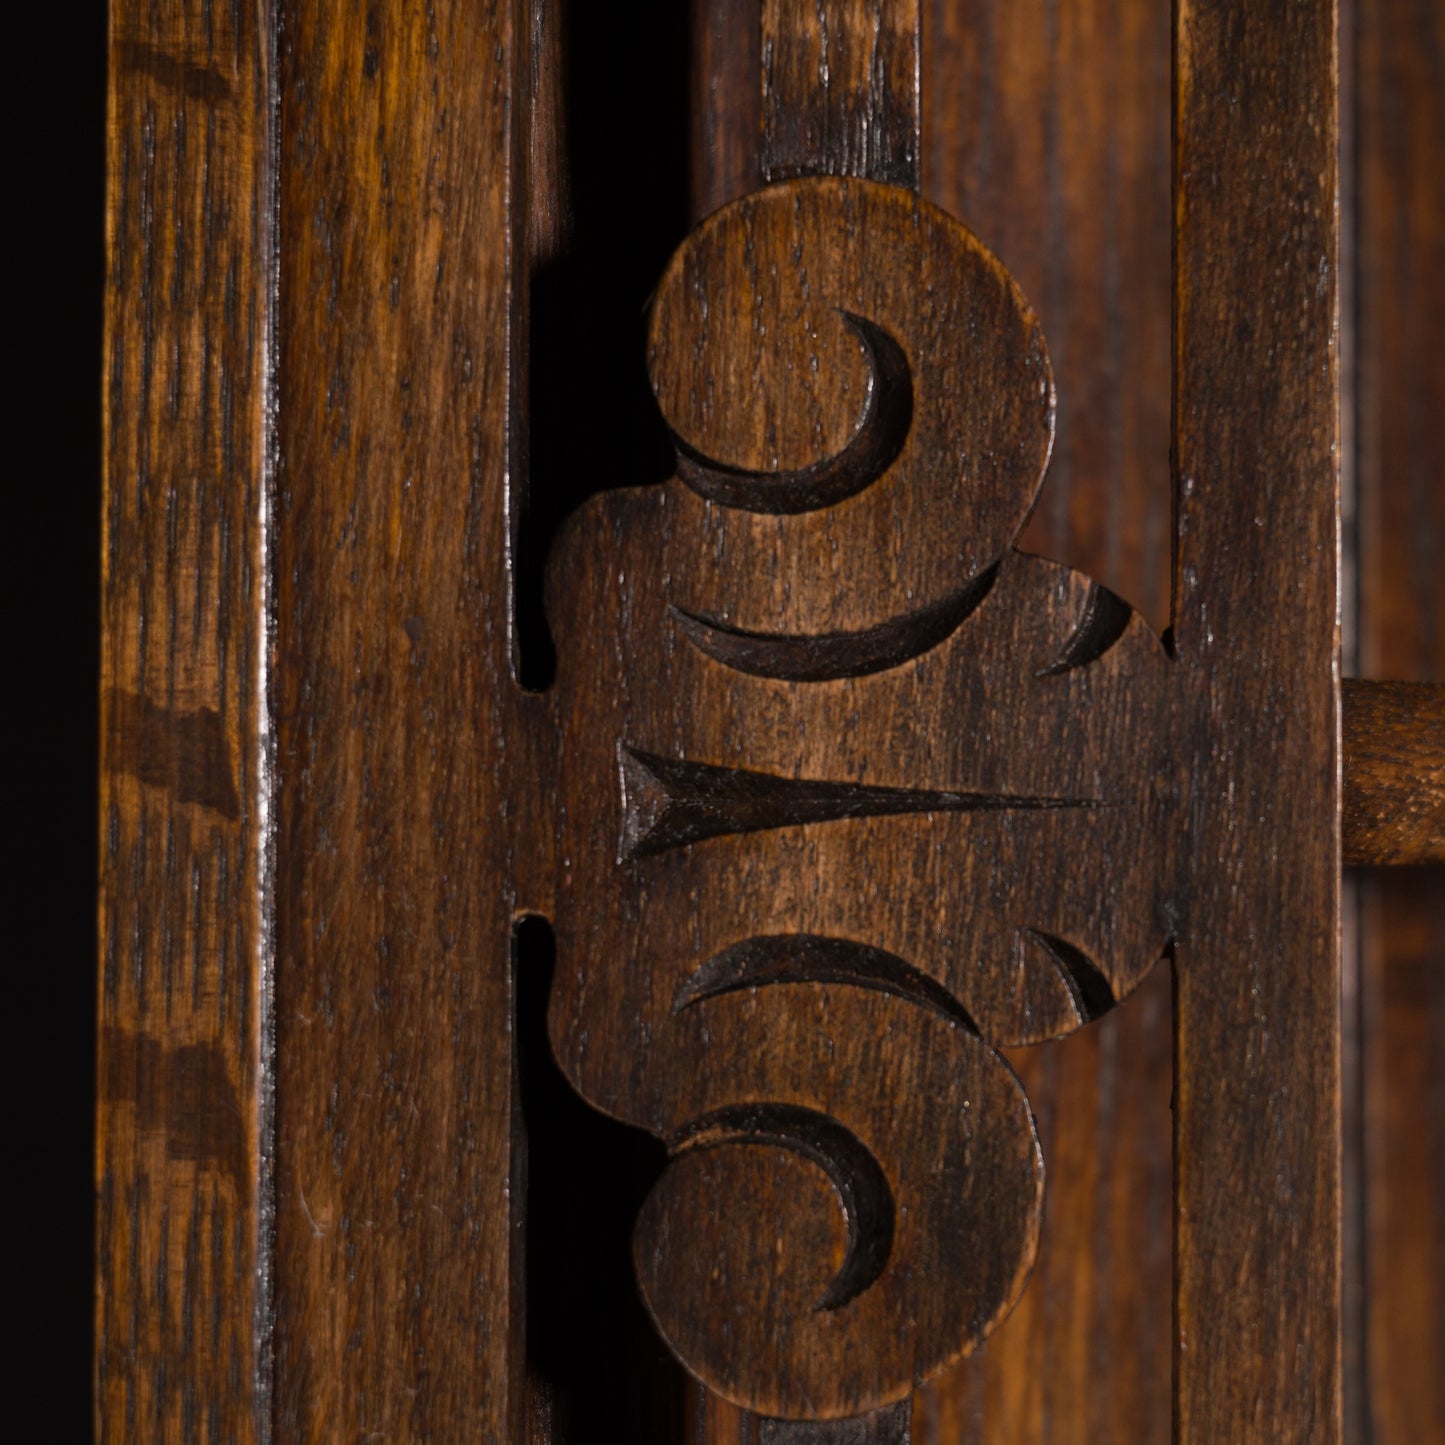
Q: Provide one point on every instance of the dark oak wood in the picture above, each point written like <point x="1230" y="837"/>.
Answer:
<point x="1394" y="773"/>
<point x="789" y="671"/>
<point x="1257" y="973"/>
<point x="181" y="1214"/>
<point x="725" y="115"/>
<point x="814" y="704"/>
<point x="729" y="156"/>
<point x="840" y="89"/>
<point x="1400" y="246"/>
<point x="403" y="751"/>
<point x="1046" y="129"/>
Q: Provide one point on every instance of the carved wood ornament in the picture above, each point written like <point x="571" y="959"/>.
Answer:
<point x="814" y="649"/>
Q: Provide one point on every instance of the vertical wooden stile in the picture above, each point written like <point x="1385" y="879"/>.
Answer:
<point x="1257" y="980"/>
<point x="403" y="772"/>
<point x="184" y="754"/>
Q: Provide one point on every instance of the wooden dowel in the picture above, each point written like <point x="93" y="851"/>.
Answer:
<point x="1394" y="772"/>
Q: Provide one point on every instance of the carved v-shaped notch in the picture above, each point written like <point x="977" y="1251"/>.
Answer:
<point x="670" y="802"/>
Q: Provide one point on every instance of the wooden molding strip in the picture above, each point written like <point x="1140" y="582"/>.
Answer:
<point x="182" y="1195"/>
<point x="1394" y="772"/>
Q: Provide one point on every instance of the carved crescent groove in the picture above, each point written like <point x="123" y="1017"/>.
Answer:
<point x="827" y="656"/>
<point x="1101" y="625"/>
<point x="813" y="958"/>
<point x="1084" y="979"/>
<point x="887" y="415"/>
<point x="857" y="1177"/>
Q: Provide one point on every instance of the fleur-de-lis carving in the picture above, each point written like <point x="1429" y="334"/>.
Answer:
<point x="814" y="649"/>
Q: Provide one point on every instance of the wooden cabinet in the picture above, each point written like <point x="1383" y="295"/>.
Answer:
<point x="594" y="746"/>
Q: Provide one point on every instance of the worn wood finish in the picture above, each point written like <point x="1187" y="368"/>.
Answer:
<point x="1257" y="981"/>
<point x="182" y="1196"/>
<point x="403" y="752"/>
<point x="1394" y="772"/>
<point x="840" y="89"/>
<point x="1046" y="129"/>
<point x="1400" y="248"/>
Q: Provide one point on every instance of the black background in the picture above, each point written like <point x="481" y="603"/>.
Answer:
<point x="54" y="209"/>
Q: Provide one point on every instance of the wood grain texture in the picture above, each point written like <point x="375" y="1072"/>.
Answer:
<point x="729" y="155"/>
<point x="725" y="115"/>
<point x="1394" y="773"/>
<point x="404" y="753"/>
<point x="1400" y="249"/>
<point x="1046" y="130"/>
<point x="1257" y="971"/>
<point x="416" y="821"/>
<point x="182" y="1286"/>
<point x="840" y="89"/>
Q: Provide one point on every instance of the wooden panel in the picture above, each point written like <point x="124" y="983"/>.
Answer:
<point x="1257" y="973"/>
<point x="183" y="781"/>
<point x="1046" y="130"/>
<point x="402" y="760"/>
<point x="1400" y="246"/>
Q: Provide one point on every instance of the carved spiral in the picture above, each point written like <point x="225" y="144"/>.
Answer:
<point x="781" y="343"/>
<point x="849" y="1209"/>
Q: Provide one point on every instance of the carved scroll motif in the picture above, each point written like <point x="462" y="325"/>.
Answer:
<point x="868" y="794"/>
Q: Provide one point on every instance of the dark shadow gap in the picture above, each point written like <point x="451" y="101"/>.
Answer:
<point x="55" y="239"/>
<point x="623" y="160"/>
<point x="596" y="1368"/>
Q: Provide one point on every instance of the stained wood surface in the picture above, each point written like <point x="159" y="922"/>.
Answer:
<point x="399" y="727"/>
<point x="840" y="89"/>
<point x="725" y="109"/>
<point x="741" y="672"/>
<point x="1400" y="245"/>
<point x="1394" y="773"/>
<point x="1046" y="130"/>
<point x="181" y="1210"/>
<point x="402" y="754"/>
<point x="1257" y="973"/>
